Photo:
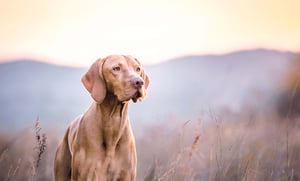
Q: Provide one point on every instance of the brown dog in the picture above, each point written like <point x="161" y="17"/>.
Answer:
<point x="99" y="145"/>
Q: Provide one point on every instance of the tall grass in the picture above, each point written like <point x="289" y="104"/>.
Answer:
<point x="230" y="146"/>
<point x="254" y="150"/>
<point x="39" y="149"/>
<point x="21" y="157"/>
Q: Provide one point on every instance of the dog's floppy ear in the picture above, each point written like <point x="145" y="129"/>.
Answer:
<point x="146" y="84"/>
<point x="144" y="75"/>
<point x="146" y="79"/>
<point x="93" y="81"/>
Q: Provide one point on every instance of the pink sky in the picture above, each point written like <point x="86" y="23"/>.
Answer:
<point x="76" y="32"/>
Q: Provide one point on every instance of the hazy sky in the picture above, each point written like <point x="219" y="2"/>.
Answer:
<point x="76" y="32"/>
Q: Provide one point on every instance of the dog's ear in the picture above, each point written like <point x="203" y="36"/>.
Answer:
<point x="93" y="81"/>
<point x="144" y="75"/>
<point x="146" y="79"/>
<point x="146" y="84"/>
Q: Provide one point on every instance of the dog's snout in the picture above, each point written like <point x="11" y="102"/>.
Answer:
<point x="137" y="82"/>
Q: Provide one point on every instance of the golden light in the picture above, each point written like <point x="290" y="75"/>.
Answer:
<point x="78" y="32"/>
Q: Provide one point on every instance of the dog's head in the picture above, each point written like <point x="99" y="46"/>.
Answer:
<point x="119" y="75"/>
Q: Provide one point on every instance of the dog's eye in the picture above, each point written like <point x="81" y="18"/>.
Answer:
<point x="138" y="69"/>
<point x="117" y="68"/>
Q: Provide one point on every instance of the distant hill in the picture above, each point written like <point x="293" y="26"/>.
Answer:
<point x="32" y="89"/>
<point x="182" y="87"/>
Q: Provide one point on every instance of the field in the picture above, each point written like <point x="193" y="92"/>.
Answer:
<point x="251" y="139"/>
<point x="225" y="146"/>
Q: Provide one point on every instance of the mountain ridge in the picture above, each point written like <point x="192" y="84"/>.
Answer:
<point x="193" y="56"/>
<point x="178" y="87"/>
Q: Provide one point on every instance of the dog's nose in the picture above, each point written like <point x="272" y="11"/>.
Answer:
<point x="137" y="82"/>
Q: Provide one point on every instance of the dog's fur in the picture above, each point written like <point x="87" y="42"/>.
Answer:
<point x="99" y="145"/>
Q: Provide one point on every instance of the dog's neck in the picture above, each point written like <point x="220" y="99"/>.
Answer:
<point x="112" y="107"/>
<point x="114" y="119"/>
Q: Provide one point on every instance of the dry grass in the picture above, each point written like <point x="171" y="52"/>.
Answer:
<point x="22" y="156"/>
<point x="39" y="149"/>
<point x="216" y="147"/>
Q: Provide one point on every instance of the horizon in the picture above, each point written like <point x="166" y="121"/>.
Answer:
<point x="47" y="61"/>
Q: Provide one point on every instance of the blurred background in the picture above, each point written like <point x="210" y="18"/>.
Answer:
<point x="224" y="91"/>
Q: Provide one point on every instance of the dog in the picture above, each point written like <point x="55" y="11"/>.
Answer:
<point x="99" y="145"/>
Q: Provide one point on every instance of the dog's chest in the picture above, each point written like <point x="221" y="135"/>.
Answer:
<point x="105" y="165"/>
<point x="106" y="157"/>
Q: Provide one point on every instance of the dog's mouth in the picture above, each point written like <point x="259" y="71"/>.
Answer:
<point x="138" y="95"/>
